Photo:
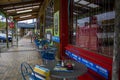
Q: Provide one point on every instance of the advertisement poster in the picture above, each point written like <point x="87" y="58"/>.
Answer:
<point x="56" y="24"/>
<point x="48" y="35"/>
<point x="11" y="22"/>
<point x="99" y="69"/>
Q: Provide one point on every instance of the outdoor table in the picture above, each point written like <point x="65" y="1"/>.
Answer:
<point x="78" y="70"/>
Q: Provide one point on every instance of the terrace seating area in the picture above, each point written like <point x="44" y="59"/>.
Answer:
<point x="46" y="51"/>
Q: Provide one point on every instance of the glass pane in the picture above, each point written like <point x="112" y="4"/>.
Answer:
<point x="93" y="26"/>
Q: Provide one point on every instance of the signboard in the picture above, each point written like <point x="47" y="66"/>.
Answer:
<point x="56" y="23"/>
<point x="86" y="37"/>
<point x="100" y="70"/>
<point x="55" y="39"/>
<point x="11" y="23"/>
<point x="48" y="35"/>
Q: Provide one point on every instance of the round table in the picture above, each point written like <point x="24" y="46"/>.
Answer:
<point x="78" y="70"/>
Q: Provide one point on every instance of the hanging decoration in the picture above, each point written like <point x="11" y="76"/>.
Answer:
<point x="11" y="22"/>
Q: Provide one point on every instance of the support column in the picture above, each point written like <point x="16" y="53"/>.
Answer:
<point x="116" y="53"/>
<point x="7" y="32"/>
<point x="71" y="21"/>
<point x="41" y="27"/>
<point x="63" y="27"/>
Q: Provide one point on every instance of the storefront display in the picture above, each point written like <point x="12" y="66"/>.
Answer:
<point x="93" y="39"/>
<point x="81" y="33"/>
<point x="49" y="34"/>
<point x="56" y="27"/>
<point x="56" y="23"/>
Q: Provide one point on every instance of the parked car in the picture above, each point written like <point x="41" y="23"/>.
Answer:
<point x="3" y="37"/>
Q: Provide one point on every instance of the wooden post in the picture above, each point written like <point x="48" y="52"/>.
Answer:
<point x="116" y="53"/>
<point x="7" y="32"/>
<point x="17" y="33"/>
<point x="12" y="38"/>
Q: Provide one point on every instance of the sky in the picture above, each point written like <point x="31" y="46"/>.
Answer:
<point x="27" y="21"/>
<point x="2" y="18"/>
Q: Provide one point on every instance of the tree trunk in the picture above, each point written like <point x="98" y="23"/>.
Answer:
<point x="116" y="53"/>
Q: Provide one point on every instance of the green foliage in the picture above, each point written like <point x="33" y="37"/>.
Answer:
<point x="2" y="24"/>
<point x="3" y="14"/>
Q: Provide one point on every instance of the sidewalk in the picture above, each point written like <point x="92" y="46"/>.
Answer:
<point x="10" y="61"/>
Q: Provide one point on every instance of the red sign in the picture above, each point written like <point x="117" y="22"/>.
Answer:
<point x="11" y="24"/>
<point x="86" y="37"/>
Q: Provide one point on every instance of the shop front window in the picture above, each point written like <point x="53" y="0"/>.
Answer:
<point x="93" y="25"/>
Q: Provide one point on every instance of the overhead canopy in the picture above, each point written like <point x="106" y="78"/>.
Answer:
<point x="28" y="9"/>
<point x="26" y="26"/>
<point x="21" y="9"/>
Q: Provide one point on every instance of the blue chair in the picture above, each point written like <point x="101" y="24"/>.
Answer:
<point x="27" y="72"/>
<point x="43" y="42"/>
<point x="37" y="43"/>
<point x="36" y="40"/>
<point x="48" y="54"/>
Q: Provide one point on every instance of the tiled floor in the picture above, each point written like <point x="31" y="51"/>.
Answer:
<point x="11" y="60"/>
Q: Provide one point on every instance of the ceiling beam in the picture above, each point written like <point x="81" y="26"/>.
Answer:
<point x="27" y="18"/>
<point x="22" y="7"/>
<point x="32" y="13"/>
<point x="15" y="14"/>
<point x="33" y="9"/>
<point x="19" y="3"/>
<point x="24" y="17"/>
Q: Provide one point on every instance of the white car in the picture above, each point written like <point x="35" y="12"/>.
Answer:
<point x="3" y="37"/>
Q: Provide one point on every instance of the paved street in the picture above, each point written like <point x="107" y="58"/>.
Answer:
<point x="10" y="60"/>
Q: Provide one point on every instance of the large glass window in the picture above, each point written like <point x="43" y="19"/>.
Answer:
<point x="93" y="25"/>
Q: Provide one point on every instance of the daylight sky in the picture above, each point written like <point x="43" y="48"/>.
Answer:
<point x="27" y="21"/>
